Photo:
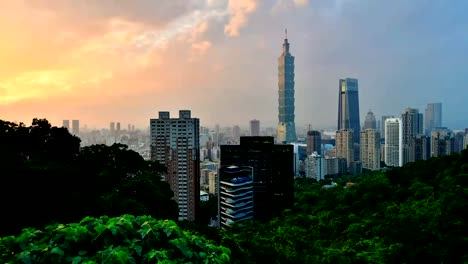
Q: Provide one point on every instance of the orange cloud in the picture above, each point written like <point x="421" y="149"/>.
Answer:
<point x="239" y="11"/>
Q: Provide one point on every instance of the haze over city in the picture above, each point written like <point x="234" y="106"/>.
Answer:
<point x="102" y="61"/>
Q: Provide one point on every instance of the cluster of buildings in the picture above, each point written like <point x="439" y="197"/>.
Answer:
<point x="251" y="172"/>
<point x="135" y="139"/>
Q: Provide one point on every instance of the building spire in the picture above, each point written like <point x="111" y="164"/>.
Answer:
<point x="286" y="33"/>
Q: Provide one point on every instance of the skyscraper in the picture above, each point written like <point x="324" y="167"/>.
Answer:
<point x="175" y="143"/>
<point x="412" y="125"/>
<point x="433" y="117"/>
<point x="75" y="127"/>
<point x="286" y="126"/>
<point x="393" y="142"/>
<point x="314" y="142"/>
<point x="348" y="107"/>
<point x="370" y="149"/>
<point x="254" y="128"/>
<point x="369" y="122"/>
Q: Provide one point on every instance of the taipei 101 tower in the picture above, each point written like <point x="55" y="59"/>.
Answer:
<point x="286" y="128"/>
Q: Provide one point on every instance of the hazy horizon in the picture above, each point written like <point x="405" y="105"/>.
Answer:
<point x="125" y="61"/>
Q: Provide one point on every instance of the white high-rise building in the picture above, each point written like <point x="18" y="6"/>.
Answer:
<point x="370" y="149"/>
<point x="175" y="143"/>
<point x="393" y="142"/>
<point x="314" y="167"/>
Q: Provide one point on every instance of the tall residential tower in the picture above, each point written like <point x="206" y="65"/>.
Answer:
<point x="175" y="142"/>
<point x="286" y="126"/>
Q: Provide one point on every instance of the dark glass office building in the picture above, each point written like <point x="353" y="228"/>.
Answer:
<point x="286" y="125"/>
<point x="348" y="107"/>
<point x="273" y="172"/>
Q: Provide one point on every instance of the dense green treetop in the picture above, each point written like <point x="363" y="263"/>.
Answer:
<point x="123" y="239"/>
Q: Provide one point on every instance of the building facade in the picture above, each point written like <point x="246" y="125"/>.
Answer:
<point x="314" y="142"/>
<point x="345" y="145"/>
<point x="66" y="124"/>
<point x="442" y="142"/>
<point x="273" y="170"/>
<point x="393" y="142"/>
<point x="370" y="121"/>
<point x="236" y="199"/>
<point x="433" y="117"/>
<point x="314" y="167"/>
<point x="175" y="143"/>
<point x="286" y="131"/>
<point x="412" y="124"/>
<point x="370" y="149"/>
<point x="254" y="128"/>
<point x="75" y="127"/>
<point x="382" y="127"/>
<point x="348" y="107"/>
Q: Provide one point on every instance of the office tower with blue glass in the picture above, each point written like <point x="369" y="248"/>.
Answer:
<point x="348" y="110"/>
<point x="348" y="107"/>
<point x="286" y="132"/>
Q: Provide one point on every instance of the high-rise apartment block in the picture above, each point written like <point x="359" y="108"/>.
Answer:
<point x="442" y="142"/>
<point x="175" y="143"/>
<point x="236" y="132"/>
<point x="112" y="127"/>
<point x="75" y="127"/>
<point x="382" y="127"/>
<point x="236" y="199"/>
<point x="314" y="142"/>
<point x="254" y="128"/>
<point x="393" y="142"/>
<point x="273" y="172"/>
<point x="433" y="117"/>
<point x="348" y="107"/>
<point x="465" y="141"/>
<point x="420" y="148"/>
<point x="370" y="122"/>
<point x="66" y="124"/>
<point x="370" y="149"/>
<point x="412" y="124"/>
<point x="286" y="131"/>
<point x="315" y="167"/>
<point x="345" y="145"/>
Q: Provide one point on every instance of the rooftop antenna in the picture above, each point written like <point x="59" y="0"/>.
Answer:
<point x="286" y="33"/>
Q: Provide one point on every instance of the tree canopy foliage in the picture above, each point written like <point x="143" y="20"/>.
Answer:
<point x="414" y="214"/>
<point x="46" y="177"/>
<point x="124" y="239"/>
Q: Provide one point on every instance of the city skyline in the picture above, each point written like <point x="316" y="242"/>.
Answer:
<point x="125" y="61"/>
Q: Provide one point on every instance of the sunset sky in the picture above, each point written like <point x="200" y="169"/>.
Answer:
<point x="117" y="60"/>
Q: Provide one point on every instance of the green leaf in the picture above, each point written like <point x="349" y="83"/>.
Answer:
<point x="57" y="250"/>
<point x="100" y="228"/>
<point x="122" y="256"/>
<point x="87" y="219"/>
<point x="76" y="260"/>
